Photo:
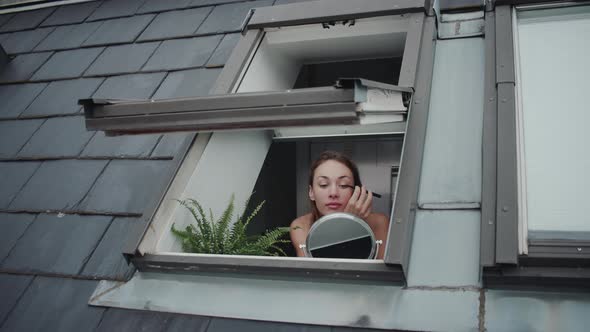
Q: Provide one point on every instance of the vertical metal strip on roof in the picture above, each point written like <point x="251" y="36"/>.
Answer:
<point x="401" y="228"/>
<point x="490" y="125"/>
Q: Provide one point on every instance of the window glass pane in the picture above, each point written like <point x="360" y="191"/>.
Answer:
<point x="554" y="72"/>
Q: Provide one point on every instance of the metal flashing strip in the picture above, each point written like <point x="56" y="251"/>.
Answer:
<point x="461" y="25"/>
<point x="405" y="205"/>
<point x="506" y="165"/>
<point x="347" y="303"/>
<point x="489" y="153"/>
<point x="504" y="46"/>
<point x="331" y="10"/>
<point x="351" y="101"/>
<point x="267" y="265"/>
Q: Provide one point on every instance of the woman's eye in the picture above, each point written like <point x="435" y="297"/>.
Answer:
<point x="345" y="186"/>
<point x="322" y="185"/>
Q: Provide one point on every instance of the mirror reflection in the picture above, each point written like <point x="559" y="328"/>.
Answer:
<point x="340" y="235"/>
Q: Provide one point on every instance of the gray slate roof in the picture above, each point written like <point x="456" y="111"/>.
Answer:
<point x="69" y="197"/>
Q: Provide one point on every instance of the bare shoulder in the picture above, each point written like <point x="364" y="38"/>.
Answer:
<point x="378" y="220"/>
<point x="302" y="222"/>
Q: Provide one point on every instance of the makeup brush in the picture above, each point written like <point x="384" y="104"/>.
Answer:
<point x="374" y="194"/>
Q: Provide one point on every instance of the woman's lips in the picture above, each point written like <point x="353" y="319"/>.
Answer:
<point x="334" y="205"/>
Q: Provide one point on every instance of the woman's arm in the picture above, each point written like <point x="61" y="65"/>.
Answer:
<point x="298" y="231"/>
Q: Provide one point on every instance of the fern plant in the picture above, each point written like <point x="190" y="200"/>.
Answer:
<point x="210" y="236"/>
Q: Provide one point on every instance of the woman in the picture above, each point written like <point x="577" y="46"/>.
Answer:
<point x="335" y="186"/>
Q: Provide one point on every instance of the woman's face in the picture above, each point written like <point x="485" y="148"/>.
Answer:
<point x="331" y="189"/>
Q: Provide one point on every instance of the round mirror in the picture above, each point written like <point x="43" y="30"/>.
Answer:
<point x="341" y="235"/>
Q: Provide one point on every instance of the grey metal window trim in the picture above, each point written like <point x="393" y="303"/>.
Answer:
<point x="344" y="269"/>
<point x="407" y="75"/>
<point x="332" y="10"/>
<point x="527" y="2"/>
<point x="406" y="202"/>
<point x="489" y="153"/>
<point x="397" y="255"/>
<point x="460" y="5"/>
<point x="555" y="263"/>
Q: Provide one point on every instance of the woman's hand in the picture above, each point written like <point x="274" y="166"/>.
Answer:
<point x="360" y="203"/>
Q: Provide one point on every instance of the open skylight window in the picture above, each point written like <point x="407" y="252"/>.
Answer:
<point x="344" y="84"/>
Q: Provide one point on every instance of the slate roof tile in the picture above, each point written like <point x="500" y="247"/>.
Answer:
<point x="58" y="138"/>
<point x="67" y="64"/>
<point x="212" y="2"/>
<point x="169" y="144"/>
<point x="26" y="20"/>
<point x="223" y="51"/>
<point x="187" y="323"/>
<point x="22" y="67"/>
<point x="61" y="97"/>
<point x="13" y="176"/>
<point x="122" y="59"/>
<point x="151" y="6"/>
<point x="15" y="98"/>
<point x="68" y="36"/>
<point x="182" y="53"/>
<point x="13" y="227"/>
<point x="225" y="324"/>
<point x="118" y="31"/>
<point x="58" y="185"/>
<point x="178" y="23"/>
<point x="230" y="17"/>
<point x="6" y="17"/>
<point x="57" y="244"/>
<point x="24" y="41"/>
<point x="284" y="2"/>
<point x="120" y="146"/>
<point x="14" y="134"/>
<point x="107" y="260"/>
<point x="136" y="86"/>
<point x="70" y="14"/>
<point x="126" y="186"/>
<point x="116" y="319"/>
<point x="11" y="287"/>
<point x="187" y="83"/>
<point x="55" y="304"/>
<point x="116" y="8"/>
<point x="134" y="320"/>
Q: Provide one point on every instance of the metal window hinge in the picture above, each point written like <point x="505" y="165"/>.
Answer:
<point x="246" y="20"/>
<point x="326" y="25"/>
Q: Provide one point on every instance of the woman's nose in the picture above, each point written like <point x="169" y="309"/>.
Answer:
<point x="333" y="191"/>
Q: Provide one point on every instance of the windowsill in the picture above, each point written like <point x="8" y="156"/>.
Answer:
<point x="340" y="269"/>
